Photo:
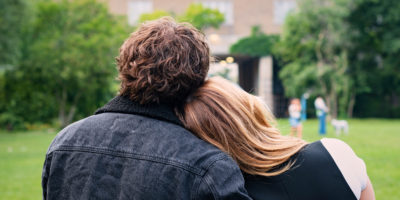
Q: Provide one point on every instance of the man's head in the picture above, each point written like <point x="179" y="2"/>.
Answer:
<point x="162" y="62"/>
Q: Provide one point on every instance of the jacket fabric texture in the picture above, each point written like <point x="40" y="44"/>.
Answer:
<point x="314" y="176"/>
<point x="130" y="151"/>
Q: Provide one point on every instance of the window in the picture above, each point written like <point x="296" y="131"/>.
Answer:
<point x="281" y="9"/>
<point x="225" y="7"/>
<point x="137" y="8"/>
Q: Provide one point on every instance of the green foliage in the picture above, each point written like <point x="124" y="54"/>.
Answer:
<point x="257" y="44"/>
<point x="13" y="14"/>
<point x="10" y="122"/>
<point x="153" y="15"/>
<point x="196" y="14"/>
<point x="298" y="77"/>
<point x="202" y="17"/>
<point x="57" y="58"/>
<point x="314" y="53"/>
<point x="68" y="66"/>
<point x="376" y="54"/>
<point x="343" y="50"/>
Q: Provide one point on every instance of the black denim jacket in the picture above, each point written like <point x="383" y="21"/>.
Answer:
<point x="128" y="151"/>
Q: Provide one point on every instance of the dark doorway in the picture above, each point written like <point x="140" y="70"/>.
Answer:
<point x="280" y="100"/>
<point x="248" y="74"/>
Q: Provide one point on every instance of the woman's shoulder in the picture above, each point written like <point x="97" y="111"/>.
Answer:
<point x="316" y="171"/>
<point x="336" y="145"/>
<point x="342" y="154"/>
<point x="350" y="165"/>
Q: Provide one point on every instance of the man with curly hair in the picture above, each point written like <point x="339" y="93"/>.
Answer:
<point x="135" y="147"/>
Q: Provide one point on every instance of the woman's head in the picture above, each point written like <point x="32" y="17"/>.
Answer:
<point x="240" y="124"/>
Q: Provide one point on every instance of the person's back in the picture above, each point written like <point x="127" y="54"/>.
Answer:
<point x="124" y="153"/>
<point x="135" y="147"/>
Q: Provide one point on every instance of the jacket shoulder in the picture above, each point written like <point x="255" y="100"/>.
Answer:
<point x="140" y="136"/>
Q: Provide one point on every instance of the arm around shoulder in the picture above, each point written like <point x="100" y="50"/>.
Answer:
<point x="223" y="180"/>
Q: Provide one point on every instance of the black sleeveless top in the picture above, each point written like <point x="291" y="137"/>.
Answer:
<point x="314" y="176"/>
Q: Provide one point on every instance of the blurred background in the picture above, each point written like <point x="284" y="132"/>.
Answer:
<point x="57" y="65"/>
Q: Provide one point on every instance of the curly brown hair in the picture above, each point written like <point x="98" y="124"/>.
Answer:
<point x="163" y="62"/>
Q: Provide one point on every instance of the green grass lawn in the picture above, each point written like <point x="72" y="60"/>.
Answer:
<point x="377" y="142"/>
<point x="21" y="160"/>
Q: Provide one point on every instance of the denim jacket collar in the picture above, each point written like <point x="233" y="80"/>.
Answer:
<point x="120" y="104"/>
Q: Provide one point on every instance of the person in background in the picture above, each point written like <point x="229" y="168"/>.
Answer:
<point x="295" y="117"/>
<point x="321" y="111"/>
<point x="135" y="147"/>
<point x="274" y="166"/>
<point x="303" y="101"/>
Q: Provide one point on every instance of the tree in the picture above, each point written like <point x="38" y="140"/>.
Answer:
<point x="375" y="54"/>
<point x="346" y="51"/>
<point x="196" y="14"/>
<point x="256" y="45"/>
<point x="67" y="68"/>
<point x="153" y="15"/>
<point x="13" y="14"/>
<point x="202" y="17"/>
<point x="314" y="51"/>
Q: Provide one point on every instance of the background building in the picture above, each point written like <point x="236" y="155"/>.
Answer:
<point x="240" y="16"/>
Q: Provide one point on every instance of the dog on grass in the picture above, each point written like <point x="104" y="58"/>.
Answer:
<point x="340" y="126"/>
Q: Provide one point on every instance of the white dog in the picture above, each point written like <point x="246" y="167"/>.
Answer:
<point x="340" y="125"/>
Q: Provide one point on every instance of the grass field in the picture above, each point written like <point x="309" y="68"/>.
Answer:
<point x="377" y="142"/>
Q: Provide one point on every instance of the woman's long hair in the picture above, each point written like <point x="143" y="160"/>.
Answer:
<point x="241" y="125"/>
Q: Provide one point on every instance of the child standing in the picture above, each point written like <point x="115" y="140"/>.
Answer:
<point x="295" y="117"/>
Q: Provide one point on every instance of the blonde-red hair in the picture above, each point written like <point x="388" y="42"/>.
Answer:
<point x="241" y="125"/>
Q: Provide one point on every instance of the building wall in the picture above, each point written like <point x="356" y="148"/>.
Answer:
<point x="269" y="14"/>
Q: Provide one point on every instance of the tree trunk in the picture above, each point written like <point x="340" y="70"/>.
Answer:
<point x="62" y="107"/>
<point x="333" y="98"/>
<point x="350" y="107"/>
<point x="71" y="115"/>
<point x="332" y="104"/>
<point x="395" y="99"/>
<point x="64" y="118"/>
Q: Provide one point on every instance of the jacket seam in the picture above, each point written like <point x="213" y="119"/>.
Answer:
<point x="123" y="154"/>
<point x="47" y="168"/>
<point x="205" y="178"/>
<point x="218" y="157"/>
<point x="210" y="185"/>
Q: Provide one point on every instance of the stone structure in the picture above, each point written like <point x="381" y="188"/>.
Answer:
<point x="240" y="16"/>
